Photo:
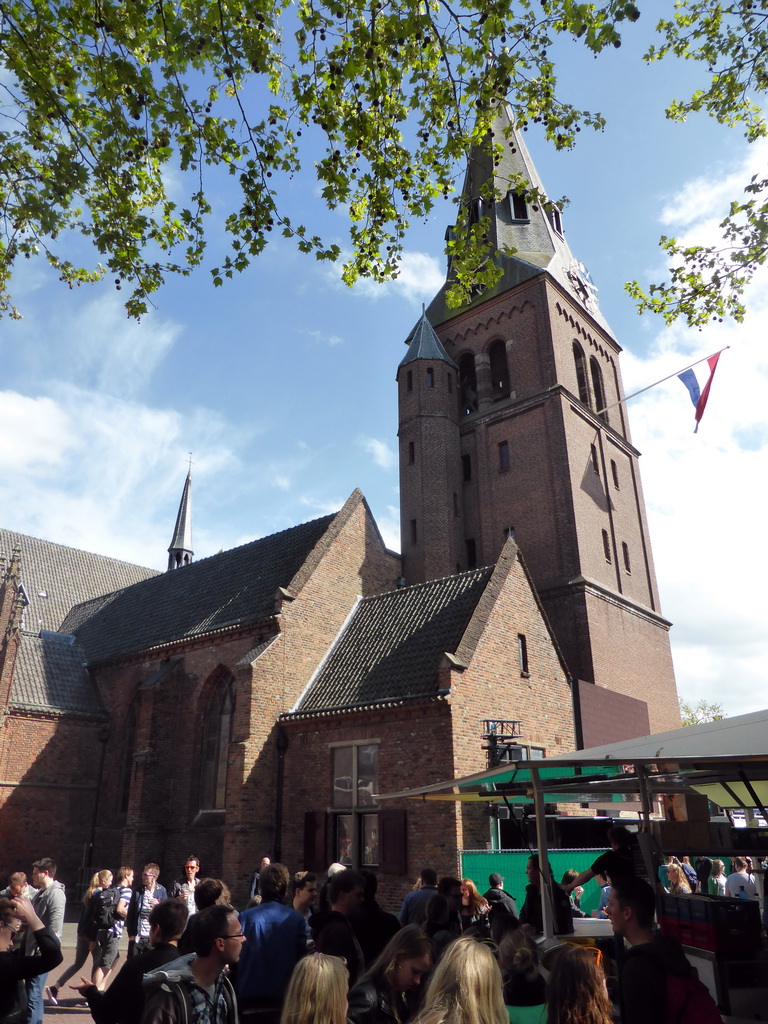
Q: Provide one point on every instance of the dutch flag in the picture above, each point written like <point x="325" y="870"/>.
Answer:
<point x="699" y="394"/>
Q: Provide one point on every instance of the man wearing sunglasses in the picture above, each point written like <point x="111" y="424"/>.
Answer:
<point x="195" y="988"/>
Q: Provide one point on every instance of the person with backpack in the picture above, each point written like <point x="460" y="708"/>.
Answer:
<point x="656" y="982"/>
<point x="84" y="945"/>
<point x="110" y="907"/>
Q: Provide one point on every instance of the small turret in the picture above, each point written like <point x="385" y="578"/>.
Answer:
<point x="180" y="550"/>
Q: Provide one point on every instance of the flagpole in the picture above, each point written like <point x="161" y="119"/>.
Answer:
<point x="649" y="386"/>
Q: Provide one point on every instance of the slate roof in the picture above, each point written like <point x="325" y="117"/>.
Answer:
<point x="50" y="677"/>
<point x="227" y="589"/>
<point x="65" y="576"/>
<point x="538" y="246"/>
<point x="391" y="647"/>
<point x="425" y="344"/>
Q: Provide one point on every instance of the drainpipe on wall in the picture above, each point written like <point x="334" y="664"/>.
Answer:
<point x="103" y="737"/>
<point x="281" y="744"/>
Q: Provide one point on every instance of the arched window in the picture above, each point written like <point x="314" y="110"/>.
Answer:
<point x="468" y="379"/>
<point x="126" y="762"/>
<point x="597" y="387"/>
<point x="499" y="369"/>
<point x="217" y="733"/>
<point x="581" y="372"/>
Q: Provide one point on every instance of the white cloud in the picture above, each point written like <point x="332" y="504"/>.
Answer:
<point x="706" y="491"/>
<point x="379" y="451"/>
<point x="280" y="481"/>
<point x="35" y="434"/>
<point x="420" y="276"/>
<point x="326" y="339"/>
<point x="103" y="474"/>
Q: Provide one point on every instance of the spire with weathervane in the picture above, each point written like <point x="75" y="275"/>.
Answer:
<point x="180" y="550"/>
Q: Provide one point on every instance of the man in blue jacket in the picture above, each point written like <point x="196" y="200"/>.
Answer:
<point x="276" y="939"/>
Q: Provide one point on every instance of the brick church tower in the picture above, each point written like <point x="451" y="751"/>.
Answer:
<point x="503" y="431"/>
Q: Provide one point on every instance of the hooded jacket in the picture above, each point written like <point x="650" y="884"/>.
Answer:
<point x="172" y="996"/>
<point x="49" y="906"/>
<point x="644" y="979"/>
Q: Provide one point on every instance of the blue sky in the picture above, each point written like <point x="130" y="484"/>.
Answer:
<point x="281" y="383"/>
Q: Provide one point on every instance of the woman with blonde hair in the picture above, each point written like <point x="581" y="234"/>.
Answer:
<point x="389" y="989"/>
<point x="576" y="993"/>
<point x="465" y="988"/>
<point x="317" y="991"/>
<point x="677" y="883"/>
<point x="474" y="907"/>
<point x="101" y="880"/>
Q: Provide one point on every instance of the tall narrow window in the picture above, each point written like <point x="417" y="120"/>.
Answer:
<point x="355" y="780"/>
<point x="499" y="369"/>
<point x="581" y="372"/>
<point x="625" y="553"/>
<point x="430" y="377"/>
<point x="615" y="474"/>
<point x="606" y="546"/>
<point x="466" y="467"/>
<point x="595" y="463"/>
<point x="471" y="553"/>
<point x="597" y="388"/>
<point x="217" y="735"/>
<point x="522" y="653"/>
<point x="468" y="384"/>
<point x="504" y="456"/>
<point x="554" y="217"/>
<point x="409" y="380"/>
<point x="413" y="531"/>
<point x="126" y="763"/>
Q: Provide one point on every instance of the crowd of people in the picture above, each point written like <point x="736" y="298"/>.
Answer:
<point x="303" y="952"/>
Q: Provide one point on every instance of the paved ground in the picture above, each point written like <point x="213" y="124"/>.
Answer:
<point x="70" y="1003"/>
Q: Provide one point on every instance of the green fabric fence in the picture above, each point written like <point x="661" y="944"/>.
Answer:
<point x="478" y="865"/>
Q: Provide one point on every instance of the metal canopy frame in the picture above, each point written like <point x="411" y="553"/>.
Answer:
<point x="666" y="763"/>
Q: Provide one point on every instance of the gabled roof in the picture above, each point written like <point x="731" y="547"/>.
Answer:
<point x="391" y="647"/>
<point x="228" y="589"/>
<point x="540" y="247"/>
<point x="50" y="677"/>
<point x="56" y="577"/>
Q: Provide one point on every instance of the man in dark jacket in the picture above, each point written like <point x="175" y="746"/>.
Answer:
<point x="650" y="959"/>
<point x="503" y="912"/>
<point x="372" y="926"/>
<point x="332" y="930"/>
<point x="144" y="898"/>
<point x="195" y="988"/>
<point x="123" y="1001"/>
<point x="531" y="914"/>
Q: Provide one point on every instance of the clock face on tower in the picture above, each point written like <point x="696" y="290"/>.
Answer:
<point x="582" y="284"/>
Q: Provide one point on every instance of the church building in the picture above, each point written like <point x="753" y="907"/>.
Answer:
<point x="256" y="702"/>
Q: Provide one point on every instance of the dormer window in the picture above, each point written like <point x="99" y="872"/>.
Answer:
<point x="476" y="210"/>
<point x="554" y="218"/>
<point x="517" y="206"/>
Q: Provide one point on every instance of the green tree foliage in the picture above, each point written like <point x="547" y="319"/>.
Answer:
<point x="116" y="113"/>
<point x="701" y="711"/>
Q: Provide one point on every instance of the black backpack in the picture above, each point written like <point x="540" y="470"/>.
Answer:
<point x="103" y="906"/>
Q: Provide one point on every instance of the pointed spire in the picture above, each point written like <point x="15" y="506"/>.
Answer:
<point x="180" y="550"/>
<point x="532" y="230"/>
<point x="423" y="343"/>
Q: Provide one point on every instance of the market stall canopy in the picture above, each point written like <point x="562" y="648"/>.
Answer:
<point x="726" y="761"/>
